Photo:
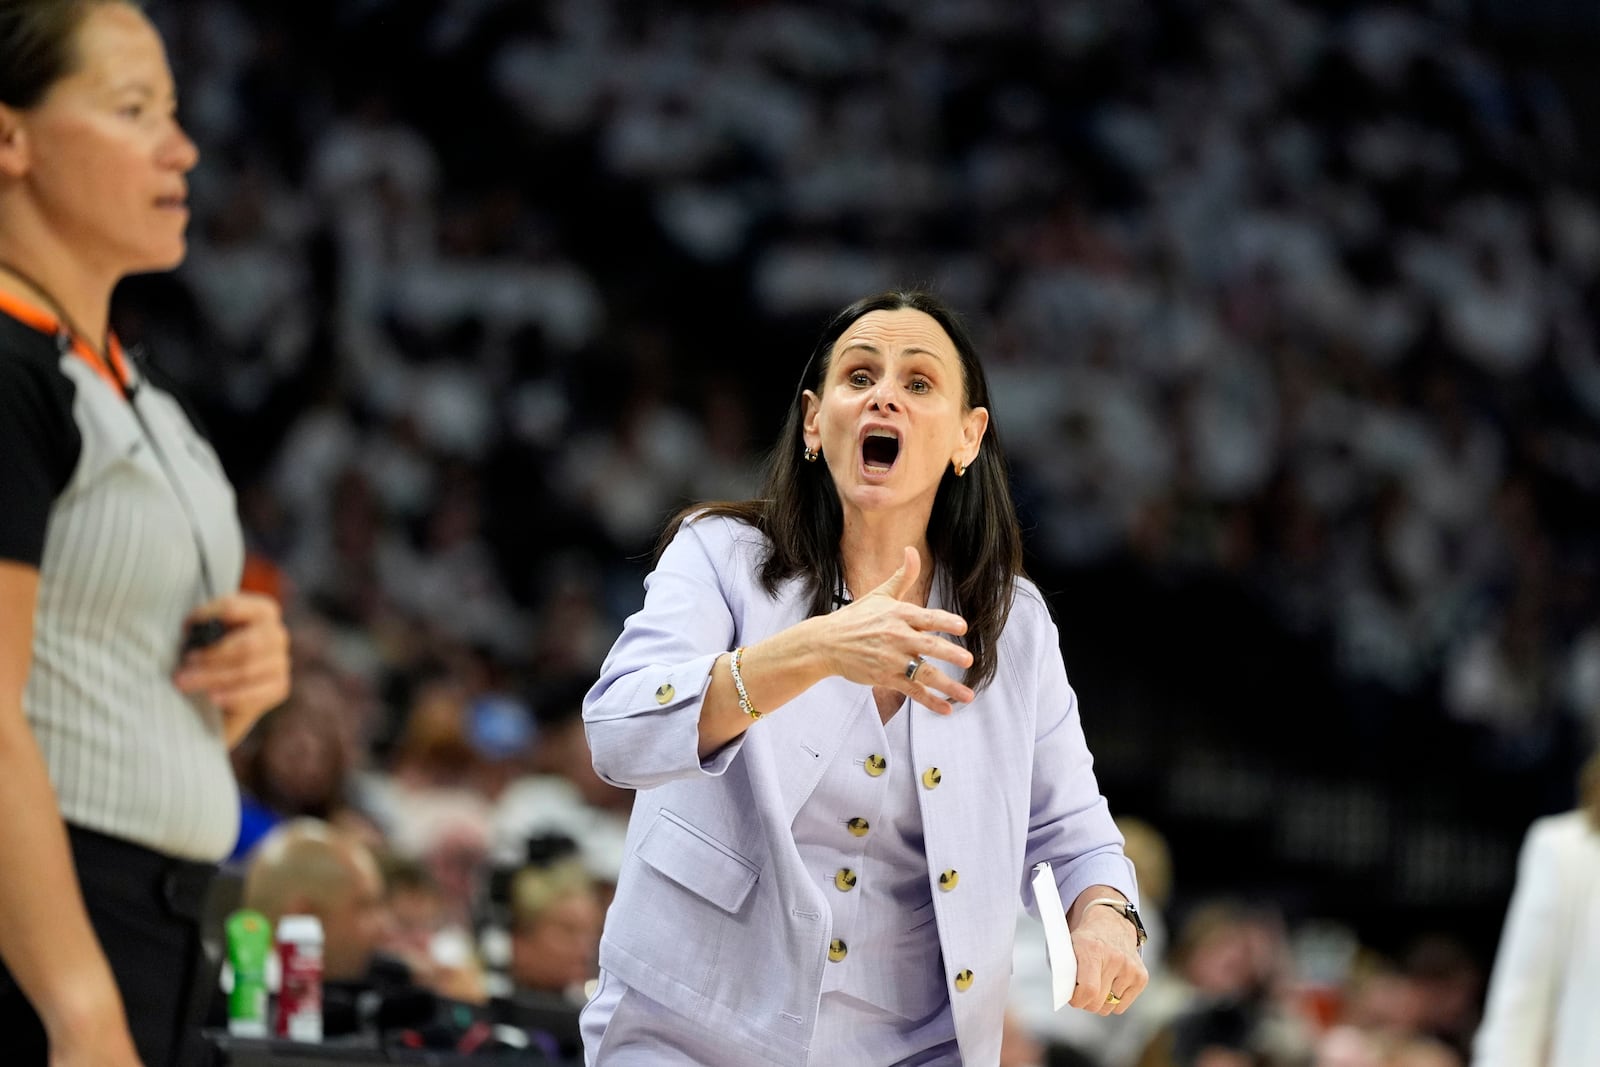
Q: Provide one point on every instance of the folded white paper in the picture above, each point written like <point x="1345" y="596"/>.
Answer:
<point x="1057" y="939"/>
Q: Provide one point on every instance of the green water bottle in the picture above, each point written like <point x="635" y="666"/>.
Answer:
<point x="249" y="944"/>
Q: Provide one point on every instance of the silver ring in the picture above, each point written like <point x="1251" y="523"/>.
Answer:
<point x="912" y="668"/>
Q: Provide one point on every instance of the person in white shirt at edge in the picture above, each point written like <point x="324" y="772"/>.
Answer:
<point x="846" y="712"/>
<point x="1544" y="987"/>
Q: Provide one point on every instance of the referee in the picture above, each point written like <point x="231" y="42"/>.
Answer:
<point x="129" y="661"/>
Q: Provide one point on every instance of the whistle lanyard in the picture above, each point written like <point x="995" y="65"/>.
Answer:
<point x="112" y="366"/>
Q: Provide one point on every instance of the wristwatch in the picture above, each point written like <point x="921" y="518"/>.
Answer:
<point x="1128" y="910"/>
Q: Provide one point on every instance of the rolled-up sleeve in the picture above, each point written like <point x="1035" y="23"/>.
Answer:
<point x="642" y="715"/>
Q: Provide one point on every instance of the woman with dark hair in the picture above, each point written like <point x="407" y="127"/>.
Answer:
<point x="845" y="710"/>
<point x="129" y="660"/>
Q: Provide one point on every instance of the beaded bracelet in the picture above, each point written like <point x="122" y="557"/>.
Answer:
<point x="738" y="683"/>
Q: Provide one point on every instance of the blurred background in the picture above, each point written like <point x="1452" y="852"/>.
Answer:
<point x="1290" y="312"/>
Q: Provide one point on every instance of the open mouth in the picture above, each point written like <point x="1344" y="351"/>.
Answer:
<point x="879" y="450"/>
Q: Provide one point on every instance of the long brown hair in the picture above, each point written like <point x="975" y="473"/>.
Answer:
<point x="973" y="531"/>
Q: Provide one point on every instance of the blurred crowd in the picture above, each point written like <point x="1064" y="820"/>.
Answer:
<point x="1299" y="295"/>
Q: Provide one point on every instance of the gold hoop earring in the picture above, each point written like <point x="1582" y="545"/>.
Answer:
<point x="960" y="469"/>
<point x="810" y="455"/>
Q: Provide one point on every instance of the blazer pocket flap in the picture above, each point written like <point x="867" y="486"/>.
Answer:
<point x="700" y="864"/>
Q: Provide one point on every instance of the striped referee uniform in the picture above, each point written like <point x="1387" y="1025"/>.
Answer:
<point x="126" y="513"/>
<point x="101" y="505"/>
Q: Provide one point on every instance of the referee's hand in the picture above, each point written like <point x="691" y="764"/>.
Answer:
<point x="246" y="672"/>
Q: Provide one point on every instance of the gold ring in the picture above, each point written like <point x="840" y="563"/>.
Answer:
<point x="1112" y="998"/>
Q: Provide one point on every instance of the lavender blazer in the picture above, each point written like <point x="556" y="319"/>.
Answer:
<point x="715" y="915"/>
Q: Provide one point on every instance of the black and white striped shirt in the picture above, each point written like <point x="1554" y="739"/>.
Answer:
<point x="111" y="498"/>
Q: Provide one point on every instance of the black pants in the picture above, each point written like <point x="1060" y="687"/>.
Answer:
<point x="146" y="909"/>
